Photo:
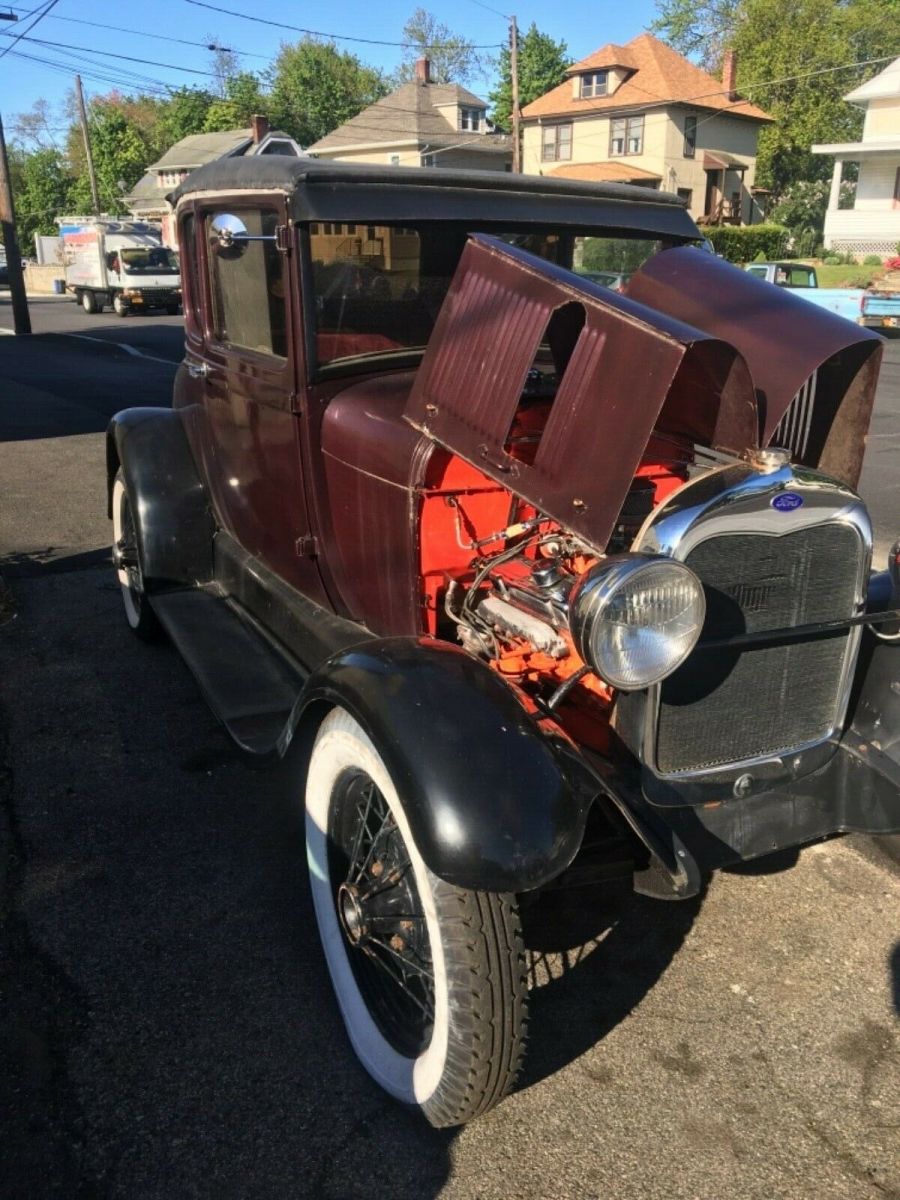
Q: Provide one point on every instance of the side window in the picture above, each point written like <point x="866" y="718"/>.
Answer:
<point x="247" y="287"/>
<point x="190" y="279"/>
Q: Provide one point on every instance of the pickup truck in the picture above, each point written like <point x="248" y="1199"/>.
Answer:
<point x="878" y="310"/>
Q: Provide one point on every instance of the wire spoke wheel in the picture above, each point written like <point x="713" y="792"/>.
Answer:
<point x="381" y="914"/>
<point x="430" y="978"/>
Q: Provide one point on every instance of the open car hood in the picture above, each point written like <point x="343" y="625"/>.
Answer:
<point x="630" y="365"/>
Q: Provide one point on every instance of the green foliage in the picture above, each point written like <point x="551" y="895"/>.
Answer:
<point x="616" y="254"/>
<point x="315" y="87"/>
<point x="542" y="66"/>
<point x="184" y="113"/>
<point x="743" y="243"/>
<point x="698" y="28"/>
<point x="832" y="260"/>
<point x="40" y="185"/>
<point x="243" y="97"/>
<point x="799" y="43"/>
<point x="453" y="58"/>
<point x="872" y="260"/>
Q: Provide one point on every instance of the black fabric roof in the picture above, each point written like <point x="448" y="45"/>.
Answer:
<point x="322" y="190"/>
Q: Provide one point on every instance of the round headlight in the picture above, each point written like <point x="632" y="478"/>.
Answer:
<point x="635" y="618"/>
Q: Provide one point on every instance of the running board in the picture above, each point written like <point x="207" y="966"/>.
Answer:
<point x="249" y="684"/>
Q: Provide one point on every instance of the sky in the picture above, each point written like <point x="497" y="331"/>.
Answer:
<point x="584" y="26"/>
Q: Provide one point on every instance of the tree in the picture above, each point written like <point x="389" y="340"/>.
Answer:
<point x="243" y="97"/>
<point x="35" y="129"/>
<point x="315" y="87"/>
<point x="698" y="28"/>
<point x="542" y="66"/>
<point x="182" y="114"/>
<point x="40" y="185"/>
<point x="453" y="58"/>
<point x="225" y="64"/>
<point x="798" y="43"/>
<point x="121" y="152"/>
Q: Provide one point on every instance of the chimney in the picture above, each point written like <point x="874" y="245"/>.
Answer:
<point x="729" y="74"/>
<point x="423" y="70"/>
<point x="260" y="127"/>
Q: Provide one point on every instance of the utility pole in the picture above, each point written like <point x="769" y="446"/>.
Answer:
<point x="95" y="195"/>
<point x="514" y="72"/>
<point x="21" y="316"/>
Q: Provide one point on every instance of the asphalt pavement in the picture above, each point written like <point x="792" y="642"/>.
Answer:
<point x="167" y="1027"/>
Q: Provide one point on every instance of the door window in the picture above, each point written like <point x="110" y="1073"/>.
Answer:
<point x="247" y="288"/>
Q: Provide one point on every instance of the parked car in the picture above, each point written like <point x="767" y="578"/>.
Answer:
<point x="507" y="564"/>
<point x="866" y="306"/>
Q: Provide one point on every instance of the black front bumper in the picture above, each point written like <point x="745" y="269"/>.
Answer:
<point x="857" y="790"/>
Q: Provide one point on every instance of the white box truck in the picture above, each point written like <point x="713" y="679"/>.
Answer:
<point x="122" y="263"/>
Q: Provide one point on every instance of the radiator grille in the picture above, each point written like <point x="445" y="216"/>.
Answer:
<point x="793" y="429"/>
<point x="728" y="706"/>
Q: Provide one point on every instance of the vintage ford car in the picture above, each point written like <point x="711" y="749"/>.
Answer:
<point x="523" y="571"/>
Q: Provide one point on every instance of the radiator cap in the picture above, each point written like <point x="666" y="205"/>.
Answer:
<point x="769" y="459"/>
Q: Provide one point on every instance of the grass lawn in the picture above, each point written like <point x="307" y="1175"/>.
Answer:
<point x="854" y="275"/>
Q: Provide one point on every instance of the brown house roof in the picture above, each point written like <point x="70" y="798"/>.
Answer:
<point x="411" y="114"/>
<point x="604" y="172"/>
<point x="660" y="75"/>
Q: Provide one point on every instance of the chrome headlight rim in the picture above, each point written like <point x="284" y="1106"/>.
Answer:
<point x="590" y="600"/>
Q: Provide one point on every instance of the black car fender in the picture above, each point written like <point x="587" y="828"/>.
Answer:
<point x="175" y="525"/>
<point x="488" y="800"/>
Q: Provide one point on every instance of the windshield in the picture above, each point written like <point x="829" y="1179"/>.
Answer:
<point x="149" y="260"/>
<point x="378" y="288"/>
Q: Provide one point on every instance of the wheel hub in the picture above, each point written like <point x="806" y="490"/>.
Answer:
<point x="352" y="914"/>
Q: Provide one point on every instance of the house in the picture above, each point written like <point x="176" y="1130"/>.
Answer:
<point x="147" y="199"/>
<point x="421" y="124"/>
<point x="872" y="225"/>
<point x="643" y="114"/>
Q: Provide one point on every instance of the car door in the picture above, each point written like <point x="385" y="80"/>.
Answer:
<point x="249" y="370"/>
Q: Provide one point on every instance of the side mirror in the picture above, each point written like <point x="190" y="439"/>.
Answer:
<point x="228" y="235"/>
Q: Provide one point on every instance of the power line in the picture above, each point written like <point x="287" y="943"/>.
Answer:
<point x="160" y="37"/>
<point x="337" y="37"/>
<point x="28" y="28"/>
<point x="145" y="62"/>
<point x="67" y="68"/>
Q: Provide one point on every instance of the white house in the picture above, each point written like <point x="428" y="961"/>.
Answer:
<point x="872" y="225"/>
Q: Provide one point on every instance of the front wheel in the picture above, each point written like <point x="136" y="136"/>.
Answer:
<point x="138" y="613"/>
<point x="430" y="978"/>
<point x="120" y="306"/>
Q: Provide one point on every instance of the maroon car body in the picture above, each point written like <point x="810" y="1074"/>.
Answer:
<point x="543" y="570"/>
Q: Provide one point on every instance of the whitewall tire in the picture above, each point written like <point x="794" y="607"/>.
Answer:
<point x="126" y="559"/>
<point x="430" y="978"/>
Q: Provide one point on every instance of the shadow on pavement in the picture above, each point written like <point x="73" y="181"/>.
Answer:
<point x="594" y="954"/>
<point x="34" y="564"/>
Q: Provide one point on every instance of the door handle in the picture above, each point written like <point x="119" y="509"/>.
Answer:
<point x="198" y="370"/>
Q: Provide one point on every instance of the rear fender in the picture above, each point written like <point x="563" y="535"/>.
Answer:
<point x="488" y="800"/>
<point x="175" y="525"/>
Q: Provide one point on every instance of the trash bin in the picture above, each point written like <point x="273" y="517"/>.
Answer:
<point x="59" y="287"/>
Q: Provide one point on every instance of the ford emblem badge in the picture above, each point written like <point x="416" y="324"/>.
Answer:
<point x="787" y="501"/>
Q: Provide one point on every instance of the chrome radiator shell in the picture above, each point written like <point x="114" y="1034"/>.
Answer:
<point x="819" y="516"/>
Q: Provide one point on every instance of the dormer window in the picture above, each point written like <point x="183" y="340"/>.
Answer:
<point x="471" y="119"/>
<point x="594" y="83"/>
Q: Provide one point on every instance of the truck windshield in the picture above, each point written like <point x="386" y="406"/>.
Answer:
<point x="149" y="260"/>
<point x="378" y="288"/>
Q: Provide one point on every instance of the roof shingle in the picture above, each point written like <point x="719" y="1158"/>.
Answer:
<point x="660" y="75"/>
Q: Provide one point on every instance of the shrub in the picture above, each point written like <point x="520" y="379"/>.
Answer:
<point x="833" y="260"/>
<point x="760" y="257"/>
<point x="744" y="243"/>
<point x="806" y="241"/>
<point x="872" y="260"/>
